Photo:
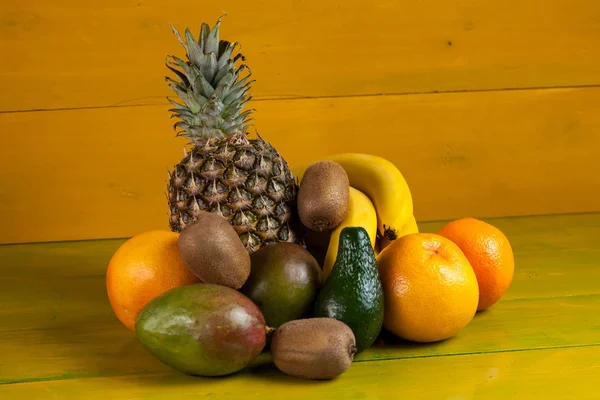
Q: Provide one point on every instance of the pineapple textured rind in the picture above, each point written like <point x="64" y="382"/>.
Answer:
<point x="245" y="181"/>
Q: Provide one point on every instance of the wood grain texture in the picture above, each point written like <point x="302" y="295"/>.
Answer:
<point x="71" y="54"/>
<point x="56" y="302"/>
<point x="53" y="285"/>
<point x="568" y="373"/>
<point x="57" y="332"/>
<point x="56" y="321"/>
<point x="91" y="343"/>
<point x="101" y="173"/>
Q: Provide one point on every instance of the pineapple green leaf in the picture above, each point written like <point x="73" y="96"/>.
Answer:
<point x="183" y="126"/>
<point x="188" y="70"/>
<point x="225" y="51"/>
<point x="182" y="113"/>
<point x="243" y="115"/>
<point x="242" y="82"/>
<point x="184" y="81"/>
<point x="239" y="123"/>
<point x="224" y="45"/>
<point x="235" y="108"/>
<point x="228" y="125"/>
<point x="202" y="86"/>
<point x="173" y="82"/>
<point x="176" y="104"/>
<point x="241" y="87"/>
<point x="224" y="84"/>
<point x="177" y="72"/>
<point x="236" y="124"/>
<point x="194" y="52"/>
<point x="189" y="38"/>
<point x="209" y="67"/>
<point x="243" y="68"/>
<point x="208" y="132"/>
<point x="212" y="108"/>
<point x="222" y="71"/>
<point x="212" y="86"/>
<point x="188" y="98"/>
<point x="238" y="56"/>
<point x="176" y="32"/>
<point x="204" y="32"/>
<point x="235" y="94"/>
<point x="212" y="43"/>
<point x="208" y="120"/>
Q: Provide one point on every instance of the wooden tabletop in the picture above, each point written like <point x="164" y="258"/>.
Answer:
<point x="60" y="339"/>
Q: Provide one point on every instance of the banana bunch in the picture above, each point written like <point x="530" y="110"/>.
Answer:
<point x="380" y="202"/>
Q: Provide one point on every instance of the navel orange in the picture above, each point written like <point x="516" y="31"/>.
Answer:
<point x="144" y="267"/>
<point x="490" y="254"/>
<point x="429" y="287"/>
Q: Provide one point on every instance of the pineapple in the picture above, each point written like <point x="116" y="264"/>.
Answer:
<point x="243" y="180"/>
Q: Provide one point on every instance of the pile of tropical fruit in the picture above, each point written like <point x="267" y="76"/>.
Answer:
<point x="311" y="265"/>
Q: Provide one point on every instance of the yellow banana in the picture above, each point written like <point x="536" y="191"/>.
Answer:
<point x="409" y="227"/>
<point x="383" y="183"/>
<point x="361" y="212"/>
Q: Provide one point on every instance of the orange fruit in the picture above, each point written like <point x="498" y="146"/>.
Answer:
<point x="144" y="267"/>
<point x="490" y="254"/>
<point x="430" y="289"/>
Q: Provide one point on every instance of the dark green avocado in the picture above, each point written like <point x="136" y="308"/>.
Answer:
<point x="283" y="283"/>
<point x="353" y="292"/>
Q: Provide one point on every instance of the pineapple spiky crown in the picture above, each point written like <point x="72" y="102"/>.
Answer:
<point x="212" y="86"/>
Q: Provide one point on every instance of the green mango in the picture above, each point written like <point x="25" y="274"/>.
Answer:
<point x="202" y="329"/>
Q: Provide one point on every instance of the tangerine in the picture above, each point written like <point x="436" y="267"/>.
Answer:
<point x="490" y="254"/>
<point x="144" y="267"/>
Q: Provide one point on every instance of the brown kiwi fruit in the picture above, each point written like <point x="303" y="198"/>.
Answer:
<point x="213" y="251"/>
<point x="323" y="196"/>
<point x="313" y="348"/>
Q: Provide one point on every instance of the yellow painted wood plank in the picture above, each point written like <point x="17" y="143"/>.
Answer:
<point x="541" y="241"/>
<point x="56" y="321"/>
<point x="553" y="243"/>
<point x="49" y="285"/>
<point x="51" y="302"/>
<point x="67" y="53"/>
<point x="102" y="173"/>
<point x="569" y="373"/>
<point x="90" y="346"/>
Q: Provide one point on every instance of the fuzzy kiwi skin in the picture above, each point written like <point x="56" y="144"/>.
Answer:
<point x="323" y="196"/>
<point x="313" y="348"/>
<point x="213" y="251"/>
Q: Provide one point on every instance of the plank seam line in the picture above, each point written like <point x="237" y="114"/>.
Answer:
<point x="64" y="378"/>
<point x="292" y="98"/>
<point x="162" y="374"/>
<point x="434" y="92"/>
<point x="474" y="353"/>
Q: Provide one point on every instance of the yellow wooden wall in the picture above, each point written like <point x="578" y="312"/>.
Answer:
<point x="489" y="107"/>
